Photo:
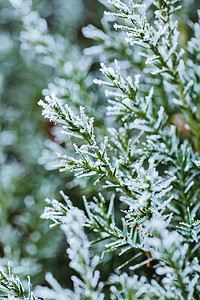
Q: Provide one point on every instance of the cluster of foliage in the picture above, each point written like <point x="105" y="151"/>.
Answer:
<point x="136" y="159"/>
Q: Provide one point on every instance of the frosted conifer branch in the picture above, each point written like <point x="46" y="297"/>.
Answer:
<point x="11" y="287"/>
<point x="162" y="40"/>
<point x="149" y="156"/>
<point x="82" y="127"/>
<point x="81" y="261"/>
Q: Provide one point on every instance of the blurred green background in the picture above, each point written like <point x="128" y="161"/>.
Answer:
<point x="25" y="239"/>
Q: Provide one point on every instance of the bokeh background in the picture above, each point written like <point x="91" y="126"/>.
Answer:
<point x="25" y="180"/>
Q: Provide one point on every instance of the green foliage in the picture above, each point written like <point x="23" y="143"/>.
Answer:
<point x="138" y="169"/>
<point x="25" y="241"/>
<point x="10" y="284"/>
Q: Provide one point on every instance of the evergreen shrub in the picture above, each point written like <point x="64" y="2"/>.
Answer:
<point x="135" y="156"/>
